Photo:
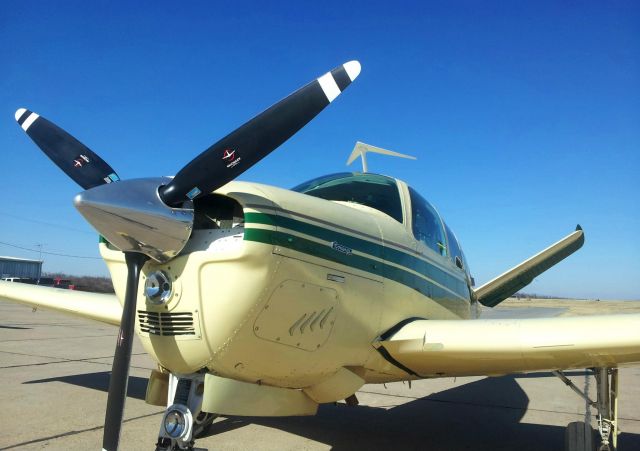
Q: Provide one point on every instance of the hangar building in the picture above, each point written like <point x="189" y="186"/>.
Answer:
<point x="20" y="267"/>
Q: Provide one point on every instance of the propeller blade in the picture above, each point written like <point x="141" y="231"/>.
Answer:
<point x="120" y="369"/>
<point x="85" y="167"/>
<point x="248" y="144"/>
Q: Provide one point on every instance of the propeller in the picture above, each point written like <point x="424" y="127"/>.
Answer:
<point x="122" y="358"/>
<point x="248" y="144"/>
<point x="130" y="203"/>
<point x="88" y="170"/>
<point x="75" y="159"/>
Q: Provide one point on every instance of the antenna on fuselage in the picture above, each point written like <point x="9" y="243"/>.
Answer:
<point x="361" y="149"/>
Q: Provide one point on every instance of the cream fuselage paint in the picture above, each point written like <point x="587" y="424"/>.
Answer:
<point x="302" y="290"/>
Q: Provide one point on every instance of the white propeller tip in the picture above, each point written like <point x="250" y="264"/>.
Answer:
<point x="20" y="112"/>
<point x="353" y="69"/>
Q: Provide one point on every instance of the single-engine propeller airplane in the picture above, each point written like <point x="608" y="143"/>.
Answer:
<point x="262" y="301"/>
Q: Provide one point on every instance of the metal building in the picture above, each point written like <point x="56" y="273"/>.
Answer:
<point x="20" y="267"/>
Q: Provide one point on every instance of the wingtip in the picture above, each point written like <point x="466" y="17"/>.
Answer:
<point x="578" y="227"/>
<point x="353" y="69"/>
<point x="20" y="112"/>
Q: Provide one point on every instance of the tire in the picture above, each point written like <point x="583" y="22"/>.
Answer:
<point x="579" y="436"/>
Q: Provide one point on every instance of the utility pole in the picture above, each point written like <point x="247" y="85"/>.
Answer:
<point x="40" y="246"/>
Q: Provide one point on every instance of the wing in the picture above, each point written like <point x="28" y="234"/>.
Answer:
<point x="497" y="290"/>
<point x="500" y="346"/>
<point x="100" y="307"/>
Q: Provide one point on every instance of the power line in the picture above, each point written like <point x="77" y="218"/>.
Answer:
<point x="49" y="224"/>
<point x="50" y="253"/>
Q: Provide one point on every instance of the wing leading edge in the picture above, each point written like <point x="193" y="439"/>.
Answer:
<point x="501" y="346"/>
<point x="99" y="307"/>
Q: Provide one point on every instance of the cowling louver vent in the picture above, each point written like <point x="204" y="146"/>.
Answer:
<point x="166" y="324"/>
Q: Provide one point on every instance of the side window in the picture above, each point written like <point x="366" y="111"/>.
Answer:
<point x="427" y="226"/>
<point x="454" y="249"/>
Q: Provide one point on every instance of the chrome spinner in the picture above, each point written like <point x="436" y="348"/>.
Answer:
<point x="132" y="217"/>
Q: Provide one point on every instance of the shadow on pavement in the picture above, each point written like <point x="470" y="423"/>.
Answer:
<point x="137" y="387"/>
<point x="481" y="415"/>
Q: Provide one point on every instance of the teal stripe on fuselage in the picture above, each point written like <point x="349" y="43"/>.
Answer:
<point x="361" y="262"/>
<point x="303" y="245"/>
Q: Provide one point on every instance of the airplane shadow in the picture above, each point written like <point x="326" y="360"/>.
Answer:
<point x="478" y="415"/>
<point x="136" y="388"/>
<point x="481" y="415"/>
<point x="14" y="327"/>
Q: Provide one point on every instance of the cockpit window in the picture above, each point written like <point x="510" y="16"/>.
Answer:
<point x="454" y="248"/>
<point x="375" y="191"/>
<point x="427" y="226"/>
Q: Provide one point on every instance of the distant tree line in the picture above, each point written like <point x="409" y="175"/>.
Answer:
<point x="93" y="284"/>
<point x="522" y="295"/>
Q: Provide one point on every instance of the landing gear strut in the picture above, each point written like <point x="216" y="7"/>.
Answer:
<point x="578" y="434"/>
<point x="183" y="421"/>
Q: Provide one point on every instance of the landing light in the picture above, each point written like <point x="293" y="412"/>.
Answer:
<point x="157" y="288"/>
<point x="174" y="423"/>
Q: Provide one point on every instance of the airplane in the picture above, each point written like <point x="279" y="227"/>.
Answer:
<point x="256" y="300"/>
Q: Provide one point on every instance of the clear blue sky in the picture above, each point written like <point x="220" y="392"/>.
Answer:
<point x="524" y="116"/>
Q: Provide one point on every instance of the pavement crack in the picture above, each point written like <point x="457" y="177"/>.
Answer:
<point x="63" y="360"/>
<point x="475" y="404"/>
<point x="59" y="338"/>
<point x="81" y="431"/>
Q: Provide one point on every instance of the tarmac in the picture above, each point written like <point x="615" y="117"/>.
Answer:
<point x="56" y="368"/>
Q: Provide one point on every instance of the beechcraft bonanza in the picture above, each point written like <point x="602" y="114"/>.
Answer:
<point x="262" y="301"/>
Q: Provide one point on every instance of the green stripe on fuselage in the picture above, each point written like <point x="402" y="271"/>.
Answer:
<point x="357" y="261"/>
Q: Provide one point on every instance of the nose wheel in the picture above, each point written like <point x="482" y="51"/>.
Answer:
<point x="183" y="420"/>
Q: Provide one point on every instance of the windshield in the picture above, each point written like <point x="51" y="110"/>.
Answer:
<point x="373" y="190"/>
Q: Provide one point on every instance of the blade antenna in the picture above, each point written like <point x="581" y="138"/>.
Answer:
<point x="361" y="149"/>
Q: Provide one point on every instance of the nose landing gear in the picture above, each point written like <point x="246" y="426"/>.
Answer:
<point x="184" y="421"/>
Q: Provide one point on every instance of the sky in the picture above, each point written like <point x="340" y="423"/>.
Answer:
<point x="524" y="116"/>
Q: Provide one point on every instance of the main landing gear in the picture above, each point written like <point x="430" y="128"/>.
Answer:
<point x="579" y="435"/>
<point x="184" y="421"/>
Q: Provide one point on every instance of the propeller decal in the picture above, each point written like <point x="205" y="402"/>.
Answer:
<point x="85" y="167"/>
<point x="248" y="144"/>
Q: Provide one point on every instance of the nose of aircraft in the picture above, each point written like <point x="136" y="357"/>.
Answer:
<point x="131" y="215"/>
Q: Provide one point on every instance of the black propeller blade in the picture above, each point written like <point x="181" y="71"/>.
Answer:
<point x="77" y="161"/>
<point x="244" y="147"/>
<point x="120" y="368"/>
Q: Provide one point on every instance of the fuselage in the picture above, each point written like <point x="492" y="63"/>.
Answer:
<point x="284" y="288"/>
